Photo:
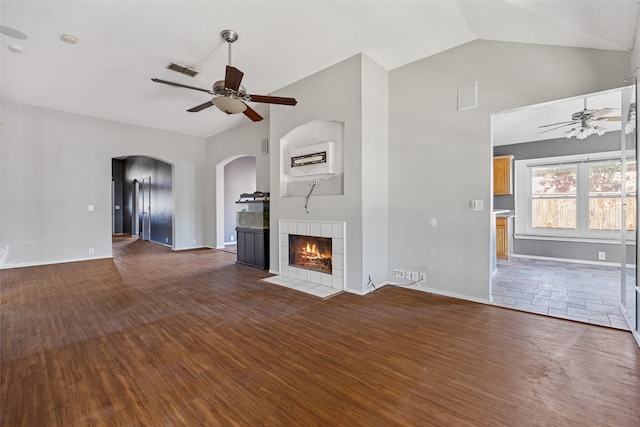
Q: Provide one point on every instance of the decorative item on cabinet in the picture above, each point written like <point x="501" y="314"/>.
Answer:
<point x="502" y="183"/>
<point x="252" y="228"/>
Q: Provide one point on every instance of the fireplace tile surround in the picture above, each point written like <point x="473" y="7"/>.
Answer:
<point x="334" y="230"/>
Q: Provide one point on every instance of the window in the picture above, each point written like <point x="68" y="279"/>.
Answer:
<point x="576" y="196"/>
<point x="554" y="200"/>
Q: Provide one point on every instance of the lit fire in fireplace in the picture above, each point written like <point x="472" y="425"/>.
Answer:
<point x="311" y="253"/>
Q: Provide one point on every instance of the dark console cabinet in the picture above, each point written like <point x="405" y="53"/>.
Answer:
<point x="253" y="247"/>
<point x="252" y="229"/>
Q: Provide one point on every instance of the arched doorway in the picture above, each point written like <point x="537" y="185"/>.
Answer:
<point x="234" y="175"/>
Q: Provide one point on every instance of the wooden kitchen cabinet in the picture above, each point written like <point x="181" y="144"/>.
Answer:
<point x="502" y="238"/>
<point x="502" y="175"/>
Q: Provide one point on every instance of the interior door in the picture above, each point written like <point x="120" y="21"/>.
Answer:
<point x="135" y="209"/>
<point x="145" y="191"/>
<point x="629" y="290"/>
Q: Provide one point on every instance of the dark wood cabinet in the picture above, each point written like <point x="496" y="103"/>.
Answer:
<point x="253" y="247"/>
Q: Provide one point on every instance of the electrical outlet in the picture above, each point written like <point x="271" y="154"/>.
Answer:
<point x="602" y="256"/>
<point x="166" y="240"/>
<point x="398" y="273"/>
<point x="423" y="278"/>
<point x="194" y="241"/>
<point x="91" y="251"/>
<point x="407" y="274"/>
<point x="233" y="238"/>
<point x="415" y="276"/>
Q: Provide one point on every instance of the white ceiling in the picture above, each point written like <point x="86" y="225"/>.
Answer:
<point x="522" y="124"/>
<point x="123" y="44"/>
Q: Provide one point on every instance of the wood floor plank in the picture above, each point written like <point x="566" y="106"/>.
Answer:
<point x="156" y="337"/>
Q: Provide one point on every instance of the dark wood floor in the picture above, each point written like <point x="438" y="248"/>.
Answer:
<point x="161" y="338"/>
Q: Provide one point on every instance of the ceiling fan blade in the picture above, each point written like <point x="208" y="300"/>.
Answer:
<point x="232" y="78"/>
<point x="200" y="107"/>
<point x="609" y="119"/>
<point x="181" y="85"/>
<point x="559" y="123"/>
<point x="252" y="114"/>
<point x="603" y="112"/>
<point x="273" y="99"/>
<point x="559" y="127"/>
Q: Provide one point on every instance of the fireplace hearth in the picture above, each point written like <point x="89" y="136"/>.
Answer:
<point x="310" y="253"/>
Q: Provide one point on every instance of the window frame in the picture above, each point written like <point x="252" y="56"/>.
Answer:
<point x="523" y="198"/>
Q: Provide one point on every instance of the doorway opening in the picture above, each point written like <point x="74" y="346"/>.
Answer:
<point x="572" y="246"/>
<point x="234" y="176"/>
<point x="142" y="201"/>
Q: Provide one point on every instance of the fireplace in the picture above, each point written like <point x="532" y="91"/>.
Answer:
<point x="310" y="252"/>
<point x="332" y="231"/>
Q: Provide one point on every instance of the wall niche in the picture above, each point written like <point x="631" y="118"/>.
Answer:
<point x="310" y="153"/>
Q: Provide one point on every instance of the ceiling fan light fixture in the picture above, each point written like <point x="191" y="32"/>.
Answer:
<point x="229" y="105"/>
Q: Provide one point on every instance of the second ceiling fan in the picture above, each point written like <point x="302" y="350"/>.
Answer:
<point x="584" y="123"/>
<point x="229" y="95"/>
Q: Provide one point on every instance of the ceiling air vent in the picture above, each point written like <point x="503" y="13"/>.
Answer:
<point x="181" y="69"/>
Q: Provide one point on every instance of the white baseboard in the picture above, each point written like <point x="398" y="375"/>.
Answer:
<point x="427" y="289"/>
<point x="38" y="264"/>
<point x="576" y="261"/>
<point x="188" y="248"/>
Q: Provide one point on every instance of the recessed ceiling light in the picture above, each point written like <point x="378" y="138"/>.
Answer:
<point x="12" y="32"/>
<point x="16" y="49"/>
<point x="68" y="38"/>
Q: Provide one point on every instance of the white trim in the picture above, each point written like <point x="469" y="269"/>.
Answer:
<point x="571" y="239"/>
<point x="435" y="291"/>
<point x="575" y="261"/>
<point x="38" y="264"/>
<point x="522" y="200"/>
<point x="193" y="247"/>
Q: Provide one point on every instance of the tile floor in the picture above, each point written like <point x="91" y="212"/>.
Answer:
<point x="582" y="292"/>
<point x="302" y="286"/>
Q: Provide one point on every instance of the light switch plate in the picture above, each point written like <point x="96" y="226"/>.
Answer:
<point x="476" y="205"/>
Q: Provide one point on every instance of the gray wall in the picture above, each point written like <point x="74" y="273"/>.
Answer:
<point x="440" y="159"/>
<point x="363" y="206"/>
<point x="610" y="141"/>
<point x="239" y="177"/>
<point x="224" y="148"/>
<point x="55" y="164"/>
<point x="586" y="251"/>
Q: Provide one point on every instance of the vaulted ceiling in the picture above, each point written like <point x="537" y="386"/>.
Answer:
<point x="123" y="44"/>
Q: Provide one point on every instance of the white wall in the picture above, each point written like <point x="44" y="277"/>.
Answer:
<point x="635" y="53"/>
<point x="55" y="164"/>
<point x="337" y="94"/>
<point x="333" y="94"/>
<point x="440" y="159"/>
<point x="375" y="171"/>
<point x="222" y="149"/>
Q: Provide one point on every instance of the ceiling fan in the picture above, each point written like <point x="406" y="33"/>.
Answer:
<point x="229" y="95"/>
<point x="585" y="122"/>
